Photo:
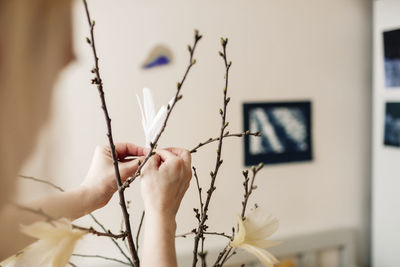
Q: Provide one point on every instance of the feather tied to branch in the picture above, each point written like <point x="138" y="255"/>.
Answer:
<point x="152" y="123"/>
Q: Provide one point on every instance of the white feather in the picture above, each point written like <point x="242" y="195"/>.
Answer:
<point x="152" y="123"/>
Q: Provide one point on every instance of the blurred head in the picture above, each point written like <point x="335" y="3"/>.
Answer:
<point x="35" y="44"/>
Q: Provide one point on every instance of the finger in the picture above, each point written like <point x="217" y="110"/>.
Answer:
<point x="127" y="169"/>
<point x="152" y="163"/>
<point x="124" y="150"/>
<point x="165" y="155"/>
<point x="181" y="152"/>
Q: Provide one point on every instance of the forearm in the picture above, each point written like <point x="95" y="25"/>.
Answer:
<point x="159" y="241"/>
<point x="72" y="205"/>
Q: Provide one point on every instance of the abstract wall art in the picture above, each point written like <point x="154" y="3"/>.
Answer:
<point x="285" y="129"/>
<point x="392" y="124"/>
<point x="391" y="48"/>
<point x="160" y="55"/>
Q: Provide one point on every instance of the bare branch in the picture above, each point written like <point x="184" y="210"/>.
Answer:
<point x="41" y="181"/>
<point x="224" y="124"/>
<point x="199" y="189"/>
<point x="178" y="96"/>
<point x="249" y="189"/>
<point x="138" y="231"/>
<point x="227" y="134"/>
<point x="99" y="83"/>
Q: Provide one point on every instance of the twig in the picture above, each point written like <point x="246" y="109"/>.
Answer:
<point x="49" y="219"/>
<point x="138" y="231"/>
<point x="249" y="189"/>
<point x="178" y="96"/>
<point x="99" y="83"/>
<point x="70" y="263"/>
<point x="199" y="189"/>
<point x="205" y="233"/>
<point x="112" y="239"/>
<point x="90" y="214"/>
<point x="41" y="181"/>
<point x="227" y="134"/>
<point x="101" y="257"/>
<point x="221" y="256"/>
<point x="226" y="256"/>
<point x="202" y="227"/>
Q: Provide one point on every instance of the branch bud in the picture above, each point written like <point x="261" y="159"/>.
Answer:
<point x="190" y="48"/>
<point x="220" y="111"/>
<point x="180" y="97"/>
<point x="226" y="124"/>
<point x="88" y="40"/>
<point x="178" y="85"/>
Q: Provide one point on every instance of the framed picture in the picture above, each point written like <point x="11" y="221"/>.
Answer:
<point x="285" y="129"/>
<point x="392" y="124"/>
<point x="391" y="48"/>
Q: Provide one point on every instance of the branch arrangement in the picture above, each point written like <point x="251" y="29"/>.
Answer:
<point x="200" y="232"/>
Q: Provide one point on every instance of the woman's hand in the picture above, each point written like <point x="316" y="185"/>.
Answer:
<point x="100" y="182"/>
<point x="164" y="181"/>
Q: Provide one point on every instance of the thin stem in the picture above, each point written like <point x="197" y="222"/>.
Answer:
<point x="199" y="189"/>
<point x="211" y="140"/>
<point x="249" y="189"/>
<point x="112" y="239"/>
<point x="226" y="256"/>
<point x="90" y="214"/>
<point x="41" y="181"/>
<point x="98" y="82"/>
<point x="49" y="219"/>
<point x="202" y="227"/>
<point x="101" y="257"/>
<point x="178" y="96"/>
<point x="205" y="233"/>
<point x="138" y="231"/>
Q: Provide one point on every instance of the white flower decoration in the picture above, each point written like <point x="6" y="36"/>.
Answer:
<point x="57" y="240"/>
<point x="253" y="233"/>
<point x="152" y="122"/>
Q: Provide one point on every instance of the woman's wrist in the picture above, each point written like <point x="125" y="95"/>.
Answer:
<point x="161" y="219"/>
<point x="88" y="198"/>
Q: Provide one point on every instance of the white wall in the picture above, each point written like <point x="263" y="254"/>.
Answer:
<point x="386" y="199"/>
<point x="281" y="50"/>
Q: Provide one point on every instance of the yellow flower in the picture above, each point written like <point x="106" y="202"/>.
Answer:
<point x="56" y="243"/>
<point x="253" y="233"/>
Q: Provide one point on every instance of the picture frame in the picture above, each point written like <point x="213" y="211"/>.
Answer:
<point x="285" y="128"/>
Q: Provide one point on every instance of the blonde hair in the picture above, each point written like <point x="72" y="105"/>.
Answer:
<point x="34" y="37"/>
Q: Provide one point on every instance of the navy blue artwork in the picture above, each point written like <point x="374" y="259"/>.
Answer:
<point x="285" y="129"/>
<point x="392" y="124"/>
<point x="391" y="47"/>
